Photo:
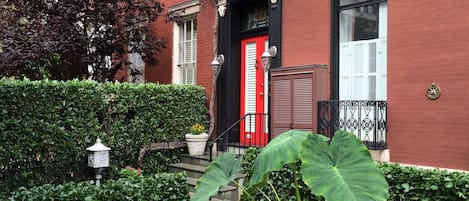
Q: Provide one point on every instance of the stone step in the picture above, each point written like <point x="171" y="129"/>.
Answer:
<point x="224" y="193"/>
<point x="194" y="167"/>
<point x="196" y="160"/>
<point x="195" y="171"/>
<point x="191" y="170"/>
<point x="213" y="199"/>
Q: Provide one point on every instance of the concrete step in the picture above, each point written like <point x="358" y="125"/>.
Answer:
<point x="213" y="199"/>
<point x="191" y="170"/>
<point x="195" y="171"/>
<point x="194" y="167"/>
<point x="192" y="181"/>
<point x="196" y="160"/>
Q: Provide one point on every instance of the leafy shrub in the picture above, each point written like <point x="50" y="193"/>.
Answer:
<point x="405" y="183"/>
<point x="282" y="179"/>
<point x="167" y="187"/>
<point x="45" y="127"/>
<point x="325" y="169"/>
<point x="410" y="183"/>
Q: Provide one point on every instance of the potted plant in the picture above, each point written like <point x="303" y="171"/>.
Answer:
<point x="196" y="140"/>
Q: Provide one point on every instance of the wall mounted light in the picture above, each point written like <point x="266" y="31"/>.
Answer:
<point x="273" y="1"/>
<point x="266" y="57"/>
<point x="217" y="63"/>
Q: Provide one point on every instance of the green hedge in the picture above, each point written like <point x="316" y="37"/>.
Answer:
<point x="410" y="183"/>
<point x="45" y="126"/>
<point x="164" y="187"/>
<point x="405" y="183"/>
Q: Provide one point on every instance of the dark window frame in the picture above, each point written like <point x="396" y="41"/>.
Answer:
<point x="335" y="12"/>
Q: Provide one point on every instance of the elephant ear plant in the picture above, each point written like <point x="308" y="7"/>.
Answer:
<point x="337" y="171"/>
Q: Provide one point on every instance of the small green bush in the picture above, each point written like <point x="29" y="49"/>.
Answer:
<point x="46" y="126"/>
<point x="164" y="187"/>
<point x="410" y="183"/>
<point x="283" y="181"/>
<point x="405" y="183"/>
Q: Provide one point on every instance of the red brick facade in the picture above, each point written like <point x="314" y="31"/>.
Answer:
<point x="428" y="42"/>
<point x="306" y="32"/>
<point x="162" y="72"/>
<point x="205" y="50"/>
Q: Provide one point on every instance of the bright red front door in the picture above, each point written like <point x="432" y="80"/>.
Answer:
<point x="253" y="92"/>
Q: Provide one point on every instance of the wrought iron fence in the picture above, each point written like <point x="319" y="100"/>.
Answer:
<point x="365" y="118"/>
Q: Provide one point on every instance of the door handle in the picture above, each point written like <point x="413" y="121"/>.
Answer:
<point x="261" y="93"/>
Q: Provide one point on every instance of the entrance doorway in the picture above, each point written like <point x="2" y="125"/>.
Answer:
<point x="254" y="92"/>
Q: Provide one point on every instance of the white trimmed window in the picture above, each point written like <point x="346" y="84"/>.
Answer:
<point x="362" y="51"/>
<point x="185" y="43"/>
<point x="187" y="48"/>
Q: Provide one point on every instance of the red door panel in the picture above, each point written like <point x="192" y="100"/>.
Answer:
<point x="253" y="92"/>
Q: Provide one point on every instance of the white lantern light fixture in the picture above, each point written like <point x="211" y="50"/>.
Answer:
<point x="217" y="63"/>
<point x="98" y="158"/>
<point x="266" y="57"/>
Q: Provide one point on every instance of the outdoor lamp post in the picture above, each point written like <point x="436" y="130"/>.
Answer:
<point x="266" y="57"/>
<point x="98" y="158"/>
<point x="216" y="68"/>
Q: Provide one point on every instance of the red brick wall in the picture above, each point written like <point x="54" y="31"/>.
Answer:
<point x="306" y="32"/>
<point x="162" y="71"/>
<point x="428" y="42"/>
<point x="205" y="53"/>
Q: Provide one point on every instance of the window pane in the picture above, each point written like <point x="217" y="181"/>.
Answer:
<point x="181" y="52"/>
<point x="359" y="23"/>
<point x="194" y="32"/>
<point x="194" y="50"/>
<point x="372" y="87"/>
<point x="359" y="64"/>
<point x="188" y="30"/>
<point x="348" y="2"/>
<point x="188" y="51"/>
<point x="372" y="57"/>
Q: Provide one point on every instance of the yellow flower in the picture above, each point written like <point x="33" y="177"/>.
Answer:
<point x="197" y="129"/>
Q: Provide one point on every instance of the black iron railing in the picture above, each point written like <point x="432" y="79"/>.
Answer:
<point x="366" y="119"/>
<point x="249" y="131"/>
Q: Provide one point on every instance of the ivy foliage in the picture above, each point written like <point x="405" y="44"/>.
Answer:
<point x="167" y="187"/>
<point x="405" y="183"/>
<point x="46" y="126"/>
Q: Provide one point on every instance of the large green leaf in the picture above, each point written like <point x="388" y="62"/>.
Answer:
<point x="219" y="173"/>
<point x="342" y="170"/>
<point x="284" y="149"/>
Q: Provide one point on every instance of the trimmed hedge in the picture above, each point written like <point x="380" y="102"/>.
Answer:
<point x="46" y="126"/>
<point x="405" y="183"/>
<point x="164" y="187"/>
<point x="410" y="183"/>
